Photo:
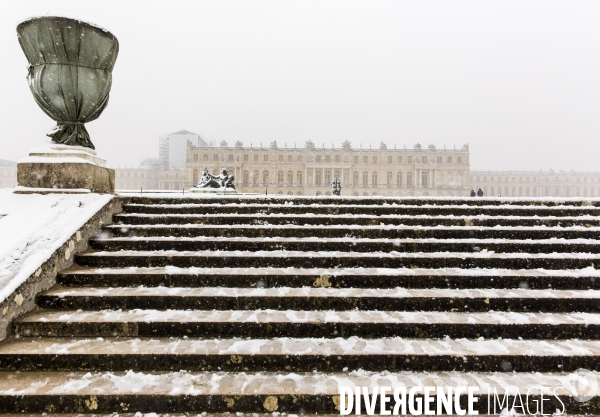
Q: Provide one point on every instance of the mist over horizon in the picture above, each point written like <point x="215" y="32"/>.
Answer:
<point x="517" y="81"/>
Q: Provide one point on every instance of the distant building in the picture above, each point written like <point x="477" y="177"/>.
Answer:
<point x="537" y="183"/>
<point x="8" y="173"/>
<point x="362" y="172"/>
<point x="144" y="177"/>
<point x="173" y="147"/>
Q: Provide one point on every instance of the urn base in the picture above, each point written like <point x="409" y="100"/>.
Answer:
<point x="64" y="169"/>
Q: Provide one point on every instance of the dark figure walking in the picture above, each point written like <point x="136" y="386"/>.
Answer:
<point x="480" y="193"/>
<point x="473" y="193"/>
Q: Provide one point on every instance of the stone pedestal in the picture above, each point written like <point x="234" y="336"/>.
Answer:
<point x="212" y="191"/>
<point x="64" y="169"/>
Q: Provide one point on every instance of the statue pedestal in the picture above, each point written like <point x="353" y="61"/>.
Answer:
<point x="212" y="191"/>
<point x="64" y="169"/>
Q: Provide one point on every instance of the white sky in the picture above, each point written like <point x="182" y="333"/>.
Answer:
<point x="518" y="80"/>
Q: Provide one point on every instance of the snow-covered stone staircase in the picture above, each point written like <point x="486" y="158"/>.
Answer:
<point x="261" y="304"/>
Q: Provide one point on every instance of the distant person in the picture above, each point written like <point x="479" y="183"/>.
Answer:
<point x="480" y="193"/>
<point x="473" y="193"/>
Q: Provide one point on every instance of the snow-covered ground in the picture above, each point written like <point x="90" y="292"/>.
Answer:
<point x="33" y="226"/>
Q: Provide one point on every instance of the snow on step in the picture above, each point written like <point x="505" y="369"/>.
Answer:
<point x="450" y="272"/>
<point x="15" y="384"/>
<point x="366" y="206"/>
<point x="315" y="254"/>
<point x="316" y="317"/>
<point x="304" y="292"/>
<point x="350" y="227"/>
<point x="399" y="241"/>
<point x="349" y="216"/>
<point x="299" y="346"/>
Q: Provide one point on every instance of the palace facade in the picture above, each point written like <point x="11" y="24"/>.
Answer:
<point x="310" y="170"/>
<point x="363" y="172"/>
<point x="537" y="183"/>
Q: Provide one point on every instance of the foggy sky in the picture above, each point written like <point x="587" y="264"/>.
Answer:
<point x="518" y="80"/>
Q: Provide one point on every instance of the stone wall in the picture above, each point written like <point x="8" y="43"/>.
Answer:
<point x="22" y="300"/>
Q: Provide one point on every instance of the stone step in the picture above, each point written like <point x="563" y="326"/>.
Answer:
<point x="346" y="244"/>
<point x="353" y="231"/>
<point x="162" y="392"/>
<point x="361" y="220"/>
<point x="297" y="355"/>
<point x="290" y="323"/>
<point x="370" y="201"/>
<point x="337" y="278"/>
<point x="336" y="209"/>
<point x="286" y="259"/>
<point x="339" y="299"/>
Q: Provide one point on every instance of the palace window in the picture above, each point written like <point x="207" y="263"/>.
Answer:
<point x="399" y="179"/>
<point x="389" y="159"/>
<point x="255" y="178"/>
<point x="195" y="157"/>
<point x="337" y="158"/>
<point x="266" y="158"/>
<point x="245" y="157"/>
<point x="290" y="178"/>
<point x="280" y="158"/>
<point x="374" y="159"/>
<point x="355" y="178"/>
<point x="299" y="177"/>
<point x="439" y="159"/>
<point x="290" y="158"/>
<point x="215" y="157"/>
<point x="318" y="158"/>
<point x="365" y="179"/>
<point x="366" y="159"/>
<point x="374" y="181"/>
<point x="389" y="178"/>
<point x="230" y="157"/>
<point x="399" y="159"/>
<point x="410" y="159"/>
<point x="327" y="177"/>
<point x="356" y="159"/>
<point x="409" y="179"/>
<point x="266" y="177"/>
<point x="205" y="157"/>
<point x="195" y="176"/>
<point x="280" y="177"/>
<point x="318" y="178"/>
<point x="449" y="159"/>
<point x="299" y="158"/>
<point x="459" y="159"/>
<point x="256" y="158"/>
<point x="327" y="158"/>
<point x="245" y="178"/>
